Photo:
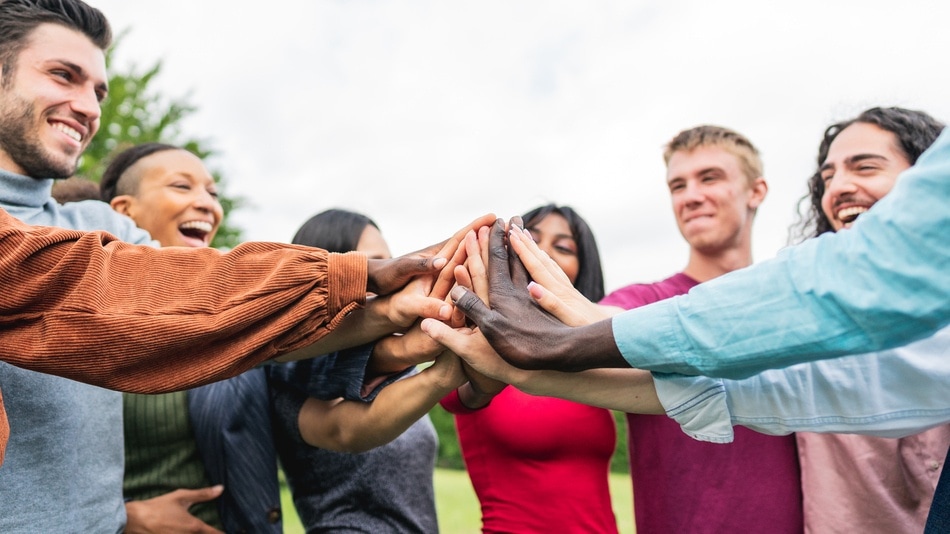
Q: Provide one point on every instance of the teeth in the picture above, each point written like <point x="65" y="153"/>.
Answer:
<point x="202" y="226"/>
<point x="68" y="131"/>
<point x="850" y="214"/>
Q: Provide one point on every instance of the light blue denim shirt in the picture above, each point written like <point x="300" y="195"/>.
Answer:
<point x="882" y="284"/>
<point x="893" y="393"/>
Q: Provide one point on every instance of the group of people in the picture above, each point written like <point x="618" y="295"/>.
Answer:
<point x="307" y="353"/>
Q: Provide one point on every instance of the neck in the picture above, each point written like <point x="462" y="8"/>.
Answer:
<point x="703" y="266"/>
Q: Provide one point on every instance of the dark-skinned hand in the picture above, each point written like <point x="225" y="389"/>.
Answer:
<point x="522" y="333"/>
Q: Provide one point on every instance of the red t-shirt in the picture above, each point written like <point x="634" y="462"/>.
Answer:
<point x="683" y="485"/>
<point x="538" y="464"/>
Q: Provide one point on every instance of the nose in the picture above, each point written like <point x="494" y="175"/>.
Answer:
<point x="692" y="194"/>
<point x="840" y="184"/>
<point x="206" y="202"/>
<point x="86" y="103"/>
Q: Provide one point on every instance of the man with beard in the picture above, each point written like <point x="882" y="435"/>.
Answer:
<point x="63" y="466"/>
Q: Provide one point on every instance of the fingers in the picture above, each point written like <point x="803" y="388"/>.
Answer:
<point x="478" y="278"/>
<point x="540" y="266"/>
<point x="519" y="275"/>
<point x="446" y="280"/>
<point x="449" y="246"/>
<point x="191" y="496"/>
<point x="552" y="304"/>
<point x="471" y="305"/>
<point x="445" y="335"/>
<point x="499" y="277"/>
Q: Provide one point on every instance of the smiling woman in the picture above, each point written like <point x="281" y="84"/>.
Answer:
<point x="167" y="191"/>
<point x="171" y="440"/>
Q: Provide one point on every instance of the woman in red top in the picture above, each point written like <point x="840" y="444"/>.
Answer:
<point x="540" y="464"/>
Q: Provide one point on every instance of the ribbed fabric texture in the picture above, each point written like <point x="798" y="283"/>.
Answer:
<point x="69" y="295"/>
<point x="160" y="451"/>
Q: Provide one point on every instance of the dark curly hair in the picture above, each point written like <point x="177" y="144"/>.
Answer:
<point x="915" y="132"/>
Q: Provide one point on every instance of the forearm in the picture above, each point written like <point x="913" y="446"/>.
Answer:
<point x="165" y="319"/>
<point x="352" y="426"/>
<point x="359" y="327"/>
<point x="625" y="390"/>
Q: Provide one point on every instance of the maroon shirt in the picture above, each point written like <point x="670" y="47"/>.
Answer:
<point x="687" y="486"/>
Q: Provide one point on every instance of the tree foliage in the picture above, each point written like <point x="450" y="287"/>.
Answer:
<point x="136" y="112"/>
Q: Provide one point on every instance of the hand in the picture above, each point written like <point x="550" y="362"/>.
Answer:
<point x="168" y="514"/>
<point x="478" y="355"/>
<point x="551" y="288"/>
<point x="386" y="276"/>
<point x="405" y="306"/>
<point x="519" y="331"/>
<point x="394" y="353"/>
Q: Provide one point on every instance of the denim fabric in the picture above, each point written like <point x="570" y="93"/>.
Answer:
<point x="888" y="394"/>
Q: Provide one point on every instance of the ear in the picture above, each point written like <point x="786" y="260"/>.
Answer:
<point x="757" y="192"/>
<point x="123" y="204"/>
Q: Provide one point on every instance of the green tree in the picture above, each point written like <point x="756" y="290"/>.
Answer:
<point x="135" y="112"/>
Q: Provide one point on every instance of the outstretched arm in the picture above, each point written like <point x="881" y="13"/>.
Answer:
<point x="354" y="426"/>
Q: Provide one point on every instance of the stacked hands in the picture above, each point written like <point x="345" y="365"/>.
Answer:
<point x="480" y="312"/>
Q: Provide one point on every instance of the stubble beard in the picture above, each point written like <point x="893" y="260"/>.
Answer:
<point x="21" y="142"/>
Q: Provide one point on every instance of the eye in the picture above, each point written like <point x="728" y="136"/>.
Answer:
<point x="825" y="178"/>
<point x="213" y="193"/>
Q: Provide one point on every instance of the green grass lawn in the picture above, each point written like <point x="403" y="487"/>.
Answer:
<point x="457" y="506"/>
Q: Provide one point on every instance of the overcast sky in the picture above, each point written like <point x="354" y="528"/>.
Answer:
<point x="425" y="114"/>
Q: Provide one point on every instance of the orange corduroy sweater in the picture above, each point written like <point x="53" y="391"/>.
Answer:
<point x="135" y="318"/>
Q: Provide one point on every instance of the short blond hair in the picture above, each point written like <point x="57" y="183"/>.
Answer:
<point x="729" y="140"/>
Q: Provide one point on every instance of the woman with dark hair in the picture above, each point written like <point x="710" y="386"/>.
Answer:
<point x="384" y="489"/>
<point x="540" y="464"/>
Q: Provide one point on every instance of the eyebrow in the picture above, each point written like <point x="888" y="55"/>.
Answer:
<point x="700" y="172"/>
<point x="102" y="87"/>
<point x="851" y="160"/>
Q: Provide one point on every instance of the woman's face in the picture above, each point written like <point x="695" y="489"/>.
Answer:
<point x="553" y="235"/>
<point x="176" y="200"/>
<point x="372" y="244"/>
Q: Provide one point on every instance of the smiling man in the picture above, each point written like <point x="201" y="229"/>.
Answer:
<point x="715" y="181"/>
<point x="63" y="466"/>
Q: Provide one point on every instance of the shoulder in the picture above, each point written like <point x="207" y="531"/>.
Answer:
<point x="92" y="215"/>
<point x="636" y="295"/>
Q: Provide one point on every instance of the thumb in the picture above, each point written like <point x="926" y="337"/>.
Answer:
<point x="444" y="335"/>
<point x="553" y="304"/>
<point x="201" y="494"/>
<point x="471" y="305"/>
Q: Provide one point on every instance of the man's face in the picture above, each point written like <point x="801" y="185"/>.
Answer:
<point x="50" y="109"/>
<point x="861" y="168"/>
<point x="712" y="200"/>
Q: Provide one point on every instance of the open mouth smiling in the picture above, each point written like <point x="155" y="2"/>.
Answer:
<point x="196" y="229"/>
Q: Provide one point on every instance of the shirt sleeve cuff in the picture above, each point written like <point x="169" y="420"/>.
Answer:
<point x="347" y="276"/>
<point x="698" y="404"/>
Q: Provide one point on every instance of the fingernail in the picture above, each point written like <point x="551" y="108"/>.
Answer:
<point x="457" y="293"/>
<point x="438" y="263"/>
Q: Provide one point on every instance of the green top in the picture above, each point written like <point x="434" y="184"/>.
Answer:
<point x="161" y="454"/>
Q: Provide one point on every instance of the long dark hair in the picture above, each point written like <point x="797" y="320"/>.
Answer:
<point x="915" y="132"/>
<point x="590" y="275"/>
<point x="334" y="230"/>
